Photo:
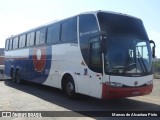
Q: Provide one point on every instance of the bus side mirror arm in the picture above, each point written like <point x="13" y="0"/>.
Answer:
<point x="153" y="48"/>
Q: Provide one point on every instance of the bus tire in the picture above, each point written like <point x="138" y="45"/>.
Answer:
<point x="12" y="75"/>
<point x="69" y="88"/>
<point x="17" y="77"/>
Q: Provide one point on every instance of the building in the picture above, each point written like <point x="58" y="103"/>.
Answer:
<point x="1" y="56"/>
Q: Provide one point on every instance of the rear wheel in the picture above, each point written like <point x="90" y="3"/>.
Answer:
<point x="69" y="88"/>
<point x="17" y="77"/>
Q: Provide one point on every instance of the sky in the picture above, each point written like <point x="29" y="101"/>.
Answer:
<point x="17" y="16"/>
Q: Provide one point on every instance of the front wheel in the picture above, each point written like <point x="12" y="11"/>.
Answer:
<point x="70" y="88"/>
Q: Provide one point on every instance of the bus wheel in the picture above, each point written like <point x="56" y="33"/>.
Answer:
<point x="17" y="77"/>
<point x="12" y="75"/>
<point x="69" y="88"/>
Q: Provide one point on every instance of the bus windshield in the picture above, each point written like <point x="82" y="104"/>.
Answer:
<point x="127" y="56"/>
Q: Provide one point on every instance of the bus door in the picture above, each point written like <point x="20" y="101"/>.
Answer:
<point x="90" y="77"/>
<point x="96" y="64"/>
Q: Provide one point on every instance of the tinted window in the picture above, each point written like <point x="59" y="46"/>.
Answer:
<point x="64" y="34"/>
<point x="87" y="27"/>
<point x="22" y="41"/>
<point x="30" y="39"/>
<point x="10" y="44"/>
<point x="56" y="33"/>
<point x="7" y="44"/>
<point x="40" y="36"/>
<point x="37" y="37"/>
<point x="49" y="35"/>
<point x="72" y="30"/>
<point x="69" y="30"/>
<point x="53" y="34"/>
<point x="15" y="43"/>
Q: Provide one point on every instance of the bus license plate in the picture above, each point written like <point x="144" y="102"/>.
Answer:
<point x="135" y="93"/>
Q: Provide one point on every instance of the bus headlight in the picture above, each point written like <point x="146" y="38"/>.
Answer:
<point x="150" y="82"/>
<point x="114" y="84"/>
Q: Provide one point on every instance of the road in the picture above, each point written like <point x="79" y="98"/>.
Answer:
<point x="34" y="97"/>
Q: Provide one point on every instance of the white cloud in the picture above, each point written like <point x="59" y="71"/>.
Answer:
<point x="155" y="36"/>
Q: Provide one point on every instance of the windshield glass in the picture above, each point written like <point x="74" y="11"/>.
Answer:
<point x="127" y="56"/>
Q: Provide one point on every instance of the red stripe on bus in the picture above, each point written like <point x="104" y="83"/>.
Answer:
<point x="109" y="92"/>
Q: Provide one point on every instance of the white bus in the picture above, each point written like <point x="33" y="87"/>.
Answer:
<point x="100" y="54"/>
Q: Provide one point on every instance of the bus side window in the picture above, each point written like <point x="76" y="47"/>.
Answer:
<point x="15" y="43"/>
<point x="53" y="34"/>
<point x="7" y="44"/>
<point x="64" y="32"/>
<point x="49" y="35"/>
<point x="22" y="41"/>
<point x="69" y="31"/>
<point x="10" y="44"/>
<point x="40" y="36"/>
<point x="56" y="33"/>
<point x="72" y="30"/>
<point x="37" y="37"/>
<point x="30" y="39"/>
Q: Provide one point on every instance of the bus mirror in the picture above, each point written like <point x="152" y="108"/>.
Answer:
<point x="153" y="52"/>
<point x="103" y="33"/>
<point x="153" y="48"/>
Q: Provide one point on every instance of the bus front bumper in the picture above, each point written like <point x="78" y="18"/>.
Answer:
<point x="109" y="92"/>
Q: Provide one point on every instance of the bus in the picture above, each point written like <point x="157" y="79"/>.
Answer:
<point x="102" y="54"/>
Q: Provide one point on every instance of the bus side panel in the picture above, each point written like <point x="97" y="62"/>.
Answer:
<point x="67" y="58"/>
<point x="15" y="59"/>
<point x="64" y="60"/>
<point x="53" y="78"/>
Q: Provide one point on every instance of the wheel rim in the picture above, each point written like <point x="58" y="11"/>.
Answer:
<point x="70" y="88"/>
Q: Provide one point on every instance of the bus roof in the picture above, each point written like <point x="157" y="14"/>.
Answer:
<point x="111" y="12"/>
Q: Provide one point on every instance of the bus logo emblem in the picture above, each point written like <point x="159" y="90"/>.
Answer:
<point x="39" y="59"/>
<point x="135" y="83"/>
